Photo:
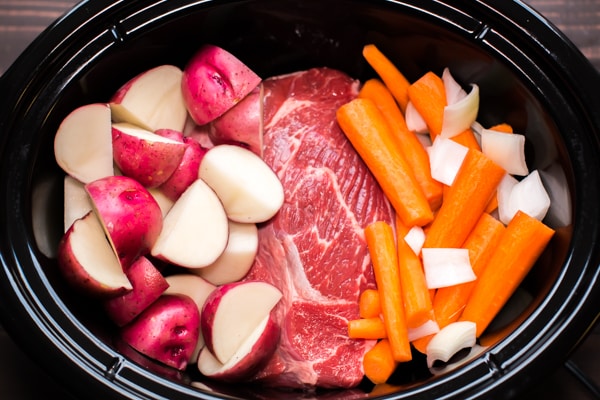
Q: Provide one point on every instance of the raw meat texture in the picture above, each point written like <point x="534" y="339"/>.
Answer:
<point x="314" y="249"/>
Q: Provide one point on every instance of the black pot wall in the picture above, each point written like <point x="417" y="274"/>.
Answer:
<point x="530" y="75"/>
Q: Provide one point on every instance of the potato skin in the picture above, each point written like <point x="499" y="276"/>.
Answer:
<point x="167" y="331"/>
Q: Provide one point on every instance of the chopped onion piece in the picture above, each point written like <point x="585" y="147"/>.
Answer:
<point x="428" y="328"/>
<point x="530" y="196"/>
<point x="445" y="158"/>
<point x="505" y="206"/>
<point x="460" y="115"/>
<point x="555" y="182"/>
<point x="414" y="120"/>
<point x="446" y="267"/>
<point x="450" y="340"/>
<point x="454" y="92"/>
<point x="475" y="352"/>
<point x="415" y="239"/>
<point x="505" y="149"/>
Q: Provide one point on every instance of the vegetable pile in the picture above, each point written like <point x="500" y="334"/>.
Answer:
<point x="469" y="215"/>
<point x="168" y="176"/>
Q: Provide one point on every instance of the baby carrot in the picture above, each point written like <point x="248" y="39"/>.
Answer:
<point x="428" y="95"/>
<point x="379" y="363"/>
<point x="465" y="201"/>
<point x="369" y="133"/>
<point x="450" y="301"/>
<point x="518" y="248"/>
<point x="467" y="139"/>
<point x="382" y="248"/>
<point x="418" y="308"/>
<point x="366" y="328"/>
<point x="412" y="149"/>
<point x="389" y="74"/>
<point x="368" y="304"/>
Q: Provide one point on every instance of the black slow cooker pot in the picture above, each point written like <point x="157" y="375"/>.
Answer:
<point x="529" y="73"/>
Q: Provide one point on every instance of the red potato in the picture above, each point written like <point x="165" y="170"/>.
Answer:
<point x="252" y="354"/>
<point x="195" y="231"/>
<point x="77" y="203"/>
<point x="88" y="262"/>
<point x="152" y="100"/>
<point x="187" y="171"/>
<point x="232" y="313"/>
<point x="148" y="285"/>
<point x="131" y="217"/>
<point x="166" y="331"/>
<point x="214" y="81"/>
<point x="198" y="290"/>
<point x="145" y="156"/>
<point x="248" y="188"/>
<point x="164" y="202"/>
<point x="238" y="257"/>
<point x="242" y="124"/>
<point x="83" y="144"/>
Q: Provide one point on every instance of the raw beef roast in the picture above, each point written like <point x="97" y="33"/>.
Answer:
<point x="314" y="250"/>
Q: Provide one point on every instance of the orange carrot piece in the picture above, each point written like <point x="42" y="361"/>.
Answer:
<point x="379" y="363"/>
<point x="467" y="139"/>
<point x="412" y="149"/>
<point x="519" y="247"/>
<point x="369" y="133"/>
<point x="428" y="95"/>
<point x="382" y="248"/>
<point x="492" y="204"/>
<point x="366" y="328"/>
<point x="369" y="305"/>
<point x="418" y="308"/>
<point x="465" y="201"/>
<point x="389" y="74"/>
<point x="450" y="301"/>
<point x="503" y="127"/>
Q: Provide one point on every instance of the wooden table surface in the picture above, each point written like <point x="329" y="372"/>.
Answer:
<point x="22" y="20"/>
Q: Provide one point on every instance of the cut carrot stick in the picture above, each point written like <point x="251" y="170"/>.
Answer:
<point x="467" y="139"/>
<point x="369" y="133"/>
<point x="465" y="201"/>
<point x="428" y="95"/>
<point x="518" y="248"/>
<point x="492" y="204"/>
<point x="382" y="248"/>
<point x="368" y="304"/>
<point x="379" y="363"/>
<point x="412" y="149"/>
<point x="389" y="74"/>
<point x="503" y="127"/>
<point x="418" y="308"/>
<point x="366" y="328"/>
<point x="450" y="301"/>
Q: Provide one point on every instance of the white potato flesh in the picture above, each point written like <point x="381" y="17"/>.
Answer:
<point x="232" y="312"/>
<point x="248" y="188"/>
<point x="83" y="143"/>
<point x="88" y="258"/>
<point x="77" y="203"/>
<point x="195" y="230"/>
<point x="238" y="257"/>
<point x="152" y="100"/>
<point x="164" y="202"/>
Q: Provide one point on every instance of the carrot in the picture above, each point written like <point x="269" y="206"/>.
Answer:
<point x="412" y="149"/>
<point x="492" y="204"/>
<point x="379" y="363"/>
<point x="428" y="95"/>
<point x="465" y="201"/>
<point x="389" y="74"/>
<point x="368" y="304"/>
<point x="517" y="251"/>
<point x="503" y="127"/>
<point x="418" y="308"/>
<point x="483" y="239"/>
<point x="467" y="139"/>
<point x="366" y="328"/>
<point x="369" y="133"/>
<point x="382" y="248"/>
